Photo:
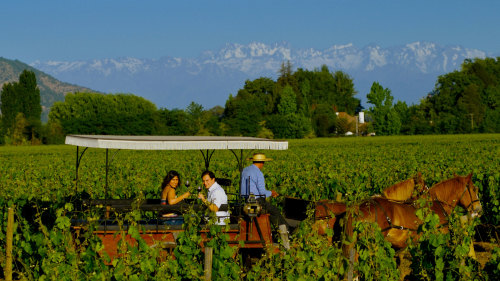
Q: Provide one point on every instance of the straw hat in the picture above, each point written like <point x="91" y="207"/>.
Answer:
<point x="260" y="157"/>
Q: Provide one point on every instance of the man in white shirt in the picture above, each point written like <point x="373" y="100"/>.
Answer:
<point x="216" y="196"/>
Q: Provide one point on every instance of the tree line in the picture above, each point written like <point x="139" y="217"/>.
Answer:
<point x="299" y="104"/>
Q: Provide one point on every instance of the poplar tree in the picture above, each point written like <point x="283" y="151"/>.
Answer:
<point x="386" y="119"/>
<point x="10" y="107"/>
<point x="21" y="97"/>
<point x="29" y="93"/>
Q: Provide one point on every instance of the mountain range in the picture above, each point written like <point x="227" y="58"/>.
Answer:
<point x="410" y="71"/>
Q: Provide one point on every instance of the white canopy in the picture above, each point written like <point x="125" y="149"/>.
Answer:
<point x="174" y="142"/>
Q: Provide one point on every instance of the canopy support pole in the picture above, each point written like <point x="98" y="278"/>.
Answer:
<point x="78" y="162"/>
<point x="207" y="157"/>
<point x="107" y="170"/>
<point x="241" y="161"/>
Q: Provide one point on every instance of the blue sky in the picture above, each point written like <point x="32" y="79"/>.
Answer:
<point x="94" y="29"/>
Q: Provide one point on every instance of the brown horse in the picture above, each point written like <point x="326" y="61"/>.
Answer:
<point x="405" y="190"/>
<point x="326" y="215"/>
<point x="327" y="212"/>
<point x="398" y="221"/>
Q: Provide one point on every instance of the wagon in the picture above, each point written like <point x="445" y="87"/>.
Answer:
<point x="248" y="229"/>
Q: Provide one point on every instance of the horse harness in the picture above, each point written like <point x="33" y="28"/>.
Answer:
<point x="388" y="219"/>
<point x="466" y="188"/>
<point x="400" y="227"/>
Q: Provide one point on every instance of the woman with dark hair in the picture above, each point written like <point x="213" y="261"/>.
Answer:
<point x="170" y="183"/>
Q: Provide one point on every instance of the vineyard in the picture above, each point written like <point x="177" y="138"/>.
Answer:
<point x="39" y="183"/>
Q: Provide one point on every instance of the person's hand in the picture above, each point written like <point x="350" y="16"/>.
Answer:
<point x="201" y="196"/>
<point x="274" y="193"/>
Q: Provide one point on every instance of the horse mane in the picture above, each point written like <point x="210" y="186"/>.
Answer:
<point x="325" y="208"/>
<point x="403" y="191"/>
<point x="446" y="189"/>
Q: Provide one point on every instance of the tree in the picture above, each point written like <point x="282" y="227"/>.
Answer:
<point x="11" y="105"/>
<point x="322" y="87"/>
<point x="244" y="113"/>
<point x="19" y="130"/>
<point x="288" y="103"/>
<point x="466" y="100"/>
<point x="403" y="112"/>
<point x="195" y="114"/>
<point x="30" y="94"/>
<point x="288" y="123"/>
<point x="175" y="122"/>
<point x="93" y="113"/>
<point x="213" y="122"/>
<point x="287" y="78"/>
<point x="344" y="93"/>
<point x="386" y="119"/>
<point x="22" y="97"/>
<point x="324" y="120"/>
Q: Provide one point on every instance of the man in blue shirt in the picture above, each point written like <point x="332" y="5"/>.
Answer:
<point x="252" y="178"/>
<point x="253" y="182"/>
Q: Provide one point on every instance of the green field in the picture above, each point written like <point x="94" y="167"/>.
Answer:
<point x="310" y="169"/>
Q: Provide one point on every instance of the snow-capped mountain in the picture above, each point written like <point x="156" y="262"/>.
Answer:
<point x="409" y="71"/>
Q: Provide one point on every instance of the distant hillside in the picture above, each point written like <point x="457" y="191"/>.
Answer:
<point x="51" y="89"/>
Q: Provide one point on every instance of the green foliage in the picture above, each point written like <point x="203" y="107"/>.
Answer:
<point x="243" y="114"/>
<point x="343" y="88"/>
<point x="196" y="119"/>
<point x="492" y="268"/>
<point x="173" y="122"/>
<point x="224" y="260"/>
<point x="288" y="123"/>
<point x="188" y="252"/>
<point x="29" y="94"/>
<point x="376" y="256"/>
<point x="323" y="87"/>
<point x="53" y="133"/>
<point x="10" y="106"/>
<point x="287" y="104"/>
<point x="386" y="119"/>
<point x="324" y="120"/>
<point x="343" y="125"/>
<point x="291" y="126"/>
<point x="466" y="100"/>
<point x="292" y="99"/>
<point x="311" y="257"/>
<point x="264" y="132"/>
<point x="490" y="198"/>
<point x="21" y="97"/>
<point x="440" y="255"/>
<point x="43" y="176"/>
<point x="92" y="113"/>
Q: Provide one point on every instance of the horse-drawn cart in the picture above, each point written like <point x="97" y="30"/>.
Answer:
<point x="248" y="228"/>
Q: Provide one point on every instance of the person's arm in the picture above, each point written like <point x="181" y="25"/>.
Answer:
<point x="172" y="200"/>
<point x="211" y="206"/>
<point x="261" y="185"/>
